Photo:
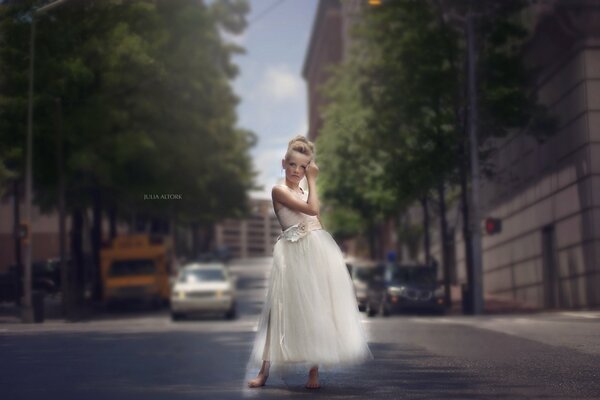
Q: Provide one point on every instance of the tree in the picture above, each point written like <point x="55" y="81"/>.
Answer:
<point x="147" y="107"/>
<point x="351" y="178"/>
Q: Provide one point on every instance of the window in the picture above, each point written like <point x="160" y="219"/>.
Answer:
<point x="132" y="267"/>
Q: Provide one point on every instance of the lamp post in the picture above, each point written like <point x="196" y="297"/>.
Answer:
<point x="476" y="292"/>
<point x="27" y="309"/>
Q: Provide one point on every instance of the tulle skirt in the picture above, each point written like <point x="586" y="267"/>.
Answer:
<point x="310" y="315"/>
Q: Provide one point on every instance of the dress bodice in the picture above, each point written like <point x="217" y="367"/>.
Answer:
<point x="288" y="217"/>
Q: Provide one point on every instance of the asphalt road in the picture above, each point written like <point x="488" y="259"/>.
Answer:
<point x="144" y="355"/>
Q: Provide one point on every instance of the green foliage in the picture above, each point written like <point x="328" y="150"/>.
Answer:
<point x="351" y="174"/>
<point x="343" y="222"/>
<point x="147" y="105"/>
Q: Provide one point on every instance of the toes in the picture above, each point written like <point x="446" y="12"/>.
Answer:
<point x="312" y="385"/>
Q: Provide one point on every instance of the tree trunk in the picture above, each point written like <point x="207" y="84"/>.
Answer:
<point x="195" y="240"/>
<point x="444" y="242"/>
<point x="207" y="237"/>
<point x="426" y="238"/>
<point x="97" y="243"/>
<point x="77" y="278"/>
<point x="18" y="256"/>
<point x="159" y="226"/>
<point x="372" y="250"/>
<point x="112" y="218"/>
<point x="464" y="194"/>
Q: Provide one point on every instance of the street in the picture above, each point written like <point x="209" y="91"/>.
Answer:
<point x="144" y="355"/>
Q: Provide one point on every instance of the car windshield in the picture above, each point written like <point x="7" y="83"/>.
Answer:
<point x="132" y="267"/>
<point x="417" y="275"/>
<point x="363" y="273"/>
<point x="202" y="275"/>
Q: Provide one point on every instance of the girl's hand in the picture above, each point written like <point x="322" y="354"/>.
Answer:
<point x="312" y="170"/>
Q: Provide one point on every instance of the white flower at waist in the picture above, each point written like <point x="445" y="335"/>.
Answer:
<point x="298" y="231"/>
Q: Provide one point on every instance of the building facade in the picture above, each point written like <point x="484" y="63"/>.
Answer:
<point x="254" y="236"/>
<point x="548" y="194"/>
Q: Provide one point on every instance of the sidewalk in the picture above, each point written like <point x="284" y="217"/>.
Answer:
<point x="11" y="313"/>
<point x="493" y="304"/>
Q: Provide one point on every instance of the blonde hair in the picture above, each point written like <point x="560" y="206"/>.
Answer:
<point x="301" y="145"/>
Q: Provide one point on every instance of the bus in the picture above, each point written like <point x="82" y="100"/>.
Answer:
<point x="137" y="268"/>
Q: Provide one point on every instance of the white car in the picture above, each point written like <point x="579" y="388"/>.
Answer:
<point x="201" y="287"/>
<point x="362" y="272"/>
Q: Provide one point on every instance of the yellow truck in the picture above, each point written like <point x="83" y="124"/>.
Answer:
<point x="136" y="268"/>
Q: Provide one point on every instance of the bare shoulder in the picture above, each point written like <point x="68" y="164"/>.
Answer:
<point x="278" y="190"/>
<point x="277" y="187"/>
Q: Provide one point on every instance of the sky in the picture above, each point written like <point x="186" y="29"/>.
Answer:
<point x="273" y="93"/>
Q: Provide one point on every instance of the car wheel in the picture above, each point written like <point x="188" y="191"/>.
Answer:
<point x="176" y="316"/>
<point x="230" y="314"/>
<point x="156" y="303"/>
<point x="383" y="310"/>
<point x="371" y="311"/>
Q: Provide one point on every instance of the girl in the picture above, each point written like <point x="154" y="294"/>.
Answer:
<point x="310" y="317"/>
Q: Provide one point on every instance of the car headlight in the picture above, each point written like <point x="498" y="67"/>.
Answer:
<point x="224" y="292"/>
<point x="396" y="291"/>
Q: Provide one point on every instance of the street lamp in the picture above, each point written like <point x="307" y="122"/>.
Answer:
<point x="27" y="310"/>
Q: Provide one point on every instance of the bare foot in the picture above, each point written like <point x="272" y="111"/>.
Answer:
<point x="313" y="379"/>
<point x="262" y="376"/>
<point x="258" y="381"/>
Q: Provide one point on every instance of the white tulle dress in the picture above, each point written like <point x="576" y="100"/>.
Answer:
<point x="310" y="315"/>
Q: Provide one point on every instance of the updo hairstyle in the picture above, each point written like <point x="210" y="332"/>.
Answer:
<point x="301" y="145"/>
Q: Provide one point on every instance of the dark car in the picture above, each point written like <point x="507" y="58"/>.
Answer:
<point x="405" y="287"/>
<point x="45" y="277"/>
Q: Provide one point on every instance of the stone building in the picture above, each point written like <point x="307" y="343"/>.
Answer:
<point x="548" y="195"/>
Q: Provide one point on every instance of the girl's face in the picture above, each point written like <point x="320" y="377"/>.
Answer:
<point x="295" y="166"/>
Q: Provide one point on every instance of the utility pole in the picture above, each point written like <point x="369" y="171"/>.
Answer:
<point x="476" y="278"/>
<point x="27" y="307"/>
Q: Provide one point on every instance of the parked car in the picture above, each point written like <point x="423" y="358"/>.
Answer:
<point x="48" y="275"/>
<point x="45" y="278"/>
<point x="405" y="287"/>
<point x="203" y="287"/>
<point x="362" y="272"/>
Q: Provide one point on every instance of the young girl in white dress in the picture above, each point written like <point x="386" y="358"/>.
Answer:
<point x="310" y="316"/>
